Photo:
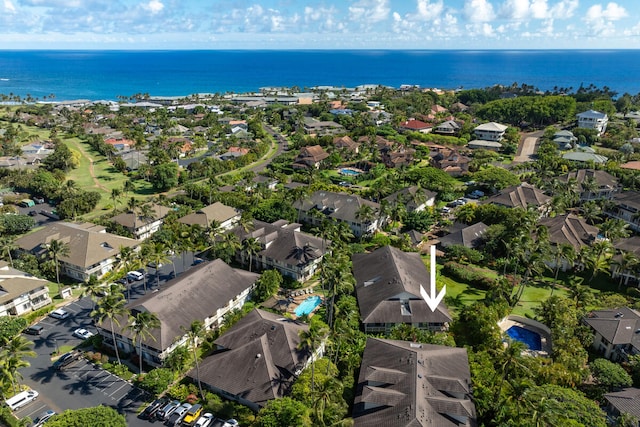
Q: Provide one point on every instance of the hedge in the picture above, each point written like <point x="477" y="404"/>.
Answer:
<point x="467" y="274"/>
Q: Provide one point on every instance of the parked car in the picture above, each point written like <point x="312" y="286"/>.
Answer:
<point x="231" y="423"/>
<point x="150" y="411"/>
<point x="83" y="334"/>
<point x="135" y="275"/>
<point x="192" y="415"/>
<point x="197" y="261"/>
<point x="164" y="412"/>
<point x="34" y="330"/>
<point x="177" y="415"/>
<point x="66" y="359"/>
<point x="43" y="418"/>
<point x="152" y="264"/>
<point x="59" y="314"/>
<point x="205" y="420"/>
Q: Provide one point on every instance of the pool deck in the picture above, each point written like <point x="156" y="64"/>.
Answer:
<point x="545" y="339"/>
<point x="290" y="300"/>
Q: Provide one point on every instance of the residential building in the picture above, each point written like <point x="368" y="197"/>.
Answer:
<point x="413" y="125"/>
<point x="565" y="140"/>
<point x="400" y="156"/>
<point x="310" y="157"/>
<point x="625" y="401"/>
<point x="616" y="332"/>
<point x="593" y="120"/>
<point x="480" y="144"/>
<point x="491" y="131"/>
<point x="585" y="155"/>
<point x="593" y="184"/>
<point x="347" y="144"/>
<point x="521" y="196"/>
<point x="318" y="128"/>
<point x="284" y="248"/>
<point x="623" y="267"/>
<point x="205" y="293"/>
<point x="21" y="292"/>
<point x="450" y="127"/>
<point x="141" y="227"/>
<point x="347" y="208"/>
<point x="405" y="384"/>
<point x="569" y="229"/>
<point x="92" y="251"/>
<point x="257" y="359"/>
<point x="388" y="283"/>
<point x="626" y="206"/>
<point x="224" y="215"/>
<point x="465" y="235"/>
<point x="451" y="162"/>
<point x="414" y="198"/>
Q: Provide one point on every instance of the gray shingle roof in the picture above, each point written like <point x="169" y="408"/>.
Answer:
<point x="387" y="276"/>
<point x="14" y="283"/>
<point x="618" y="326"/>
<point x="341" y="206"/>
<point x="603" y="179"/>
<point x="521" y="195"/>
<point x="409" y="384"/>
<point x="570" y="229"/>
<point x="462" y="234"/>
<point x="626" y="400"/>
<point x="260" y="360"/>
<point x="204" y="216"/>
<point x="133" y="221"/>
<point x="409" y="196"/>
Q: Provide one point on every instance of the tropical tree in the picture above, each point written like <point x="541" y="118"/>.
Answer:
<point x="311" y="339"/>
<point x="158" y="256"/>
<point x="194" y="334"/>
<point x="93" y="288"/>
<point x="251" y="246"/>
<point x="115" y="195"/>
<point x="14" y="351"/>
<point x="111" y="308"/>
<point x="626" y="263"/>
<point x="142" y="324"/>
<point x="596" y="256"/>
<point x="614" y="229"/>
<point x="365" y="214"/>
<point x="57" y="249"/>
<point x="562" y="253"/>
<point x="229" y="245"/>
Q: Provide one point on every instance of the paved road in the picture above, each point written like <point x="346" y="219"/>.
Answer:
<point x="82" y="385"/>
<point x="527" y="148"/>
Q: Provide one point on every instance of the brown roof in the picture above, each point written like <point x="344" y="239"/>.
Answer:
<point x="260" y="357"/>
<point x="14" y="283"/>
<point x="522" y="196"/>
<point x="203" y="217"/>
<point x="313" y="154"/>
<point x="386" y="274"/>
<point x="633" y="165"/>
<point x="345" y="142"/>
<point x="403" y="383"/>
<point x="462" y="234"/>
<point x="413" y="124"/>
<point x="570" y="229"/>
<point x="88" y="243"/>
<point x="133" y="221"/>
<point x="603" y="179"/>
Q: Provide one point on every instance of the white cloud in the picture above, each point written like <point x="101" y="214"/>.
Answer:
<point x="600" y="20"/>
<point x="564" y="9"/>
<point x="9" y="7"/>
<point x="479" y="11"/>
<point x="365" y="12"/>
<point x="428" y="11"/>
<point x="154" y="6"/>
<point x="515" y="9"/>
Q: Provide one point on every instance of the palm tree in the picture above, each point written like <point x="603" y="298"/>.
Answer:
<point x="614" y="229"/>
<point x="597" y="256"/>
<point x="230" y="244"/>
<point x="563" y="252"/>
<point x="310" y="340"/>
<point x="7" y="246"/>
<point x="251" y="246"/>
<point x="57" y="249"/>
<point x="142" y="323"/>
<point x="111" y="308"/>
<point x="93" y="288"/>
<point x="115" y="194"/>
<point x="215" y="228"/>
<point x="158" y="256"/>
<point x="194" y="334"/>
<point x="627" y="262"/>
<point x="14" y="351"/>
<point x="128" y="257"/>
<point x="365" y="214"/>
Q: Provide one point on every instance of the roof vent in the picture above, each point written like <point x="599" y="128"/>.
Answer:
<point x="258" y="356"/>
<point x="415" y="345"/>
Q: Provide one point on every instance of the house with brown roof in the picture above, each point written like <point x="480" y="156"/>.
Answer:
<point x="388" y="283"/>
<point x="413" y="125"/>
<point x="593" y="184"/>
<point x="310" y="157"/>
<point x="465" y="235"/>
<point x="21" y="292"/>
<point x="616" y="332"/>
<point x="345" y="143"/>
<point x="340" y="207"/>
<point x="141" y="227"/>
<point x="257" y="359"/>
<point x="405" y="384"/>
<point x="451" y="162"/>
<point x="626" y="206"/>
<point x="92" y="251"/>
<point x="569" y="230"/>
<point x="285" y="248"/>
<point x="401" y="156"/>
<point x="414" y="198"/>
<point x="205" y="293"/>
<point x="521" y="196"/>
<point x="224" y="215"/>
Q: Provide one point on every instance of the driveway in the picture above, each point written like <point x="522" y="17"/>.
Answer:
<point x="527" y="147"/>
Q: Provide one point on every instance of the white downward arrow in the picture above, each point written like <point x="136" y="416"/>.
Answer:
<point x="433" y="300"/>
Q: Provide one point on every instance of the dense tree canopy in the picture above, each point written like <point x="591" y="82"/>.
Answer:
<point x="101" y="416"/>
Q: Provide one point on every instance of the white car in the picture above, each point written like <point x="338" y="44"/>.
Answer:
<point x="82" y="334"/>
<point x="59" y="314"/>
<point x="231" y="423"/>
<point x="204" y="420"/>
<point x="135" y="275"/>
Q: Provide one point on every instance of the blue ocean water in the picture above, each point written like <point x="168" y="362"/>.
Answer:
<point x="109" y="74"/>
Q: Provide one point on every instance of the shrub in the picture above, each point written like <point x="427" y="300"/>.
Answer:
<point x="467" y="274"/>
<point x="11" y="326"/>
<point x="182" y="391"/>
<point x="157" y="380"/>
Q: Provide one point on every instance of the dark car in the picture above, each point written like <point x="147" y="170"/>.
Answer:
<point x="34" y="330"/>
<point x="166" y="410"/>
<point x="43" y="418"/>
<point x="66" y="359"/>
<point x="150" y="411"/>
<point x="33" y="213"/>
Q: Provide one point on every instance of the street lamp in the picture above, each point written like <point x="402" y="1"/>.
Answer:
<point x="55" y="342"/>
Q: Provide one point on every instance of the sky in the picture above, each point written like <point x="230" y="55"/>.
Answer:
<point x="323" y="24"/>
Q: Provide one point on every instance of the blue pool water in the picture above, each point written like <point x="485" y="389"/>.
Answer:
<point x="351" y="172"/>
<point x="308" y="305"/>
<point x="530" y="338"/>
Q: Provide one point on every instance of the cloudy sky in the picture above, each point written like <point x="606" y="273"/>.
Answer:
<point x="322" y="24"/>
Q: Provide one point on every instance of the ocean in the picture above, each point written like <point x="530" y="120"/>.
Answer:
<point x="108" y="75"/>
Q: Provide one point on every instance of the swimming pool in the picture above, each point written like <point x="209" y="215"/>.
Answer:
<point x="349" y="171"/>
<point x="308" y="305"/>
<point x="530" y="338"/>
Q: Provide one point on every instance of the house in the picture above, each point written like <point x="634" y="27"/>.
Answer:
<point x="585" y="155"/>
<point x="141" y="227"/>
<point x="616" y="332"/>
<point x="413" y="125"/>
<point x="205" y="293"/>
<point x="21" y="292"/>
<point x="388" y="283"/>
<point x="257" y="359"/>
<point x="491" y="131"/>
<point x="401" y="156"/>
<point x="521" y="196"/>
<point x="318" y="128"/>
<point x="625" y="401"/>
<point x="92" y="251"/>
<point x="569" y="229"/>
<point x="450" y="127"/>
<point x="451" y="162"/>
<point x="478" y="144"/>
<point x="414" y="198"/>
<point x="310" y="157"/>
<point x="593" y="184"/>
<point x="284" y="248"/>
<point x="405" y="384"/>
<point x="465" y="235"/>
<point x="438" y="109"/>
<point x="225" y="216"/>
<point x="626" y="272"/>
<point x="565" y="140"/>
<point x="626" y="206"/>
<point x="340" y="207"/>
<point x="593" y="120"/>
<point x="633" y="165"/>
<point x="36" y="149"/>
<point x="347" y="144"/>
